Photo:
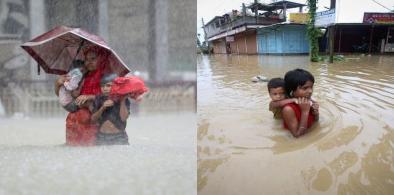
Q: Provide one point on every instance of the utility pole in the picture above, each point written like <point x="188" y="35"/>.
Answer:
<point x="256" y="10"/>
<point x="331" y="33"/>
<point x="205" y="36"/>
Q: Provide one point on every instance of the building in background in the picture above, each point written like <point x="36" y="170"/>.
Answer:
<point x="373" y="35"/>
<point x="236" y="32"/>
<point x="367" y="28"/>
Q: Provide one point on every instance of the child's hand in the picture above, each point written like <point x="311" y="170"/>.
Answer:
<point x="108" y="103"/>
<point x="138" y="98"/>
<point x="62" y="79"/>
<point x="315" y="108"/>
<point x="304" y="104"/>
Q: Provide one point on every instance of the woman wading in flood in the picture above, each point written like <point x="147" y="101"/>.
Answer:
<point x="80" y="130"/>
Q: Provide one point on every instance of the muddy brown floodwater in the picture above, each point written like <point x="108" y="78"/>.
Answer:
<point x="243" y="150"/>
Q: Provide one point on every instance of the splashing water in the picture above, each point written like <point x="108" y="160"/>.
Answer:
<point x="160" y="159"/>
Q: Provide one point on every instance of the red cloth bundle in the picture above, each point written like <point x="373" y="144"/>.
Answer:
<point x="128" y="85"/>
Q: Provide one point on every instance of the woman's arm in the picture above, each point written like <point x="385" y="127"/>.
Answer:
<point x="83" y="98"/>
<point x="297" y="128"/>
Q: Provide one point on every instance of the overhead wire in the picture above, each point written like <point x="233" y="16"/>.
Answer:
<point x="382" y="5"/>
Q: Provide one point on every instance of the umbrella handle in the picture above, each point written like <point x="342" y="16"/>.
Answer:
<point x="38" y="69"/>
<point x="78" y="50"/>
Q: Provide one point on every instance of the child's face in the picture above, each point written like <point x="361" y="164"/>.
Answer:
<point x="106" y="88"/>
<point x="305" y="90"/>
<point x="277" y="93"/>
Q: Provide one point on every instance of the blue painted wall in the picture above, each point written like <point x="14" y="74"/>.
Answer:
<point x="282" y="39"/>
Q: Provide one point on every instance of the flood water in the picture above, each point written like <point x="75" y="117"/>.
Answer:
<point x="243" y="150"/>
<point x="161" y="158"/>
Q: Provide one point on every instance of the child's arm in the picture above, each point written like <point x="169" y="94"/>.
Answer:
<point x="315" y="110"/>
<point x="76" y="92"/>
<point x="99" y="112"/>
<point x="297" y="128"/>
<point x="124" y="109"/>
<point x="59" y="82"/>
<point x="281" y="103"/>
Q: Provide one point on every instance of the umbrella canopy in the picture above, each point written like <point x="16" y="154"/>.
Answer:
<point x="55" y="50"/>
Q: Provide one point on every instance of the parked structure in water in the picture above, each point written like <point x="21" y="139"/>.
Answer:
<point x="236" y="32"/>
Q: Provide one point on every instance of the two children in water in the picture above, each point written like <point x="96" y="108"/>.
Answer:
<point x="110" y="109"/>
<point x="291" y="100"/>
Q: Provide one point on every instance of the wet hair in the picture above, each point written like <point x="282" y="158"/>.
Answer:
<point x="107" y="78"/>
<point x="295" y="78"/>
<point x="77" y="64"/>
<point x="275" y="83"/>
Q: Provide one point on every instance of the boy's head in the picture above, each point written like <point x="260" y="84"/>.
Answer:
<point x="276" y="89"/>
<point x="106" y="83"/>
<point x="80" y="64"/>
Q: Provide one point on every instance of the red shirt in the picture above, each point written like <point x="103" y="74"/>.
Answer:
<point x="91" y="83"/>
<point x="297" y="111"/>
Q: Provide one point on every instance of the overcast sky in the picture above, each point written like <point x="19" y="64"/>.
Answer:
<point x="347" y="10"/>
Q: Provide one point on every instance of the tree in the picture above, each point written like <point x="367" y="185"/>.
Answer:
<point x="313" y="32"/>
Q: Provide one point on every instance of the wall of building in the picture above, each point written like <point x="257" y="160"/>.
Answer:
<point x="219" y="46"/>
<point x="284" y="39"/>
<point x="244" y="43"/>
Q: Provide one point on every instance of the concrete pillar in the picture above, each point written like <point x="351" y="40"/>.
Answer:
<point x="158" y="50"/>
<point x="162" y="38"/>
<point x="370" y="40"/>
<point x="331" y="43"/>
<point x="37" y="26"/>
<point x="103" y="19"/>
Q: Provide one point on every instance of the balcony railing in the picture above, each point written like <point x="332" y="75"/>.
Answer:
<point x="250" y="20"/>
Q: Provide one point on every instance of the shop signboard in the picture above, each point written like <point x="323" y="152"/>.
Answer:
<point x="325" y="18"/>
<point x="378" y="18"/>
<point x="301" y="18"/>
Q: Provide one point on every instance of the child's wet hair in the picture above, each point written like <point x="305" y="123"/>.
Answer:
<point x="275" y="83"/>
<point x="295" y="78"/>
<point x="107" y="78"/>
<point x="77" y="64"/>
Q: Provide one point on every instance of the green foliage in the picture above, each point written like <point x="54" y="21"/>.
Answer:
<point x="313" y="32"/>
